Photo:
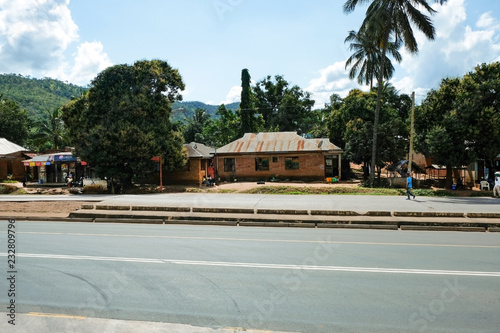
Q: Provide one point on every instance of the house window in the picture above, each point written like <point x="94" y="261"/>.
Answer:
<point x="229" y="165"/>
<point x="291" y="163"/>
<point x="275" y="159"/>
<point x="261" y="164"/>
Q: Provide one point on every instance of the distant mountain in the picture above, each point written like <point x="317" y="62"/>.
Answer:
<point x="182" y="111"/>
<point x="38" y="95"/>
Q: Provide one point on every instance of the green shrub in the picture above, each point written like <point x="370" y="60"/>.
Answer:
<point x="94" y="189"/>
<point x="7" y="189"/>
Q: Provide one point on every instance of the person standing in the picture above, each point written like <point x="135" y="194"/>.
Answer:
<point x="496" y="189"/>
<point x="409" y="186"/>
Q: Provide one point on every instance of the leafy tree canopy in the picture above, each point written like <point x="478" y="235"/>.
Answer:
<point x="460" y="122"/>
<point x="351" y="126"/>
<point x="14" y="124"/>
<point x="282" y="106"/>
<point x="124" y="120"/>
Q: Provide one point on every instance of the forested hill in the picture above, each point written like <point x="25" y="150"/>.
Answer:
<point x="182" y="111"/>
<point x="37" y="96"/>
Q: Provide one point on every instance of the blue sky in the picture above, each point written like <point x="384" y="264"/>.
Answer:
<point x="211" y="41"/>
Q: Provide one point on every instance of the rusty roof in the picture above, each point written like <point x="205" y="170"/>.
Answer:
<point x="277" y="142"/>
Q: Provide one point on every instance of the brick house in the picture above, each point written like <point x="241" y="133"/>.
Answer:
<point x="11" y="157"/>
<point x="278" y="155"/>
<point x="199" y="165"/>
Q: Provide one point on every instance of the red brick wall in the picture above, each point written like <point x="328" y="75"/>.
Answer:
<point x="192" y="176"/>
<point x="17" y="168"/>
<point x="311" y="167"/>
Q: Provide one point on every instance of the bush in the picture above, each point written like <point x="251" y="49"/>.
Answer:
<point x="94" y="189"/>
<point x="7" y="189"/>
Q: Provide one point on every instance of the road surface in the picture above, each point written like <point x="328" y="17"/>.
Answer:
<point x="296" y="280"/>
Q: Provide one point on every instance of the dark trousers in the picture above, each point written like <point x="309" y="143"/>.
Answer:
<point x="409" y="193"/>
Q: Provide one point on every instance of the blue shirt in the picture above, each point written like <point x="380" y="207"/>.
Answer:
<point x="408" y="181"/>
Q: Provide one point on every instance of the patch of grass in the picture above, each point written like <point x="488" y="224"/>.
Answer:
<point x="322" y="190"/>
<point x="7" y="189"/>
<point x="19" y="191"/>
<point x="225" y="191"/>
<point x="432" y="193"/>
<point x="292" y="190"/>
<point x="9" y="181"/>
<point x="482" y="194"/>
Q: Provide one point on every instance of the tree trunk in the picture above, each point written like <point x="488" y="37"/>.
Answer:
<point x="377" y="113"/>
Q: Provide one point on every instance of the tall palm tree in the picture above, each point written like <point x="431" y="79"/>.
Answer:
<point x="51" y="130"/>
<point x="397" y="17"/>
<point x="365" y="60"/>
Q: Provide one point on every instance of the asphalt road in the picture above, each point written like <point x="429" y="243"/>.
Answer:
<point x="296" y="280"/>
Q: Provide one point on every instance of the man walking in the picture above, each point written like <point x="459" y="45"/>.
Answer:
<point x="496" y="189"/>
<point x="409" y="186"/>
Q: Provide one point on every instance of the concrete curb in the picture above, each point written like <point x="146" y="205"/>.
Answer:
<point x="283" y="211"/>
<point x="484" y="215"/>
<point x="428" y="214"/>
<point x="160" y="209"/>
<point x="215" y="210"/>
<point x="105" y="207"/>
<point x="335" y="212"/>
<point x="272" y="222"/>
<point x="224" y="210"/>
<point x="442" y="228"/>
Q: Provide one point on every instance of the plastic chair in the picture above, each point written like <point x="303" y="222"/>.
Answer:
<point x="485" y="185"/>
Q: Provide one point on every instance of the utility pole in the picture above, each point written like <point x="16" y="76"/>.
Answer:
<point x="412" y="131"/>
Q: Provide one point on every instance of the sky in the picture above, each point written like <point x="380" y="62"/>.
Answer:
<point x="211" y="41"/>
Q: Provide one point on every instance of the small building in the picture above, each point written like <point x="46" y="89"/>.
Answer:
<point x="200" y="165"/>
<point x="55" y="167"/>
<point x="11" y="157"/>
<point x="278" y="155"/>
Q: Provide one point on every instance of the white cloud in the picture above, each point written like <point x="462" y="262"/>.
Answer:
<point x="486" y="20"/>
<point x="457" y="49"/>
<point x="233" y="96"/>
<point x="333" y="79"/>
<point x="90" y="59"/>
<point x="34" y="36"/>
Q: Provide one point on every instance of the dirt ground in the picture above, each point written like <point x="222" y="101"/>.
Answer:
<point x="39" y="208"/>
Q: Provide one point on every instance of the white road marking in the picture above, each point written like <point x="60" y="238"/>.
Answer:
<point x="265" y="266"/>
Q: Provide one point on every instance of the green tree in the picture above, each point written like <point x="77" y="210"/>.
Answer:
<point x="14" y="123"/>
<point x="194" y="129"/>
<point x="124" y="120"/>
<point x="441" y="133"/>
<point x="351" y="127"/>
<point x="478" y="105"/>
<point x="224" y="129"/>
<point x="50" y="133"/>
<point x="247" y="108"/>
<point x="283" y="107"/>
<point x="395" y="18"/>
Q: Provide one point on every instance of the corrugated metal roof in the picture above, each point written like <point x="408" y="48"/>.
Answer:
<point x="7" y="147"/>
<point x="61" y="156"/>
<point x="199" y="150"/>
<point x="274" y="142"/>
